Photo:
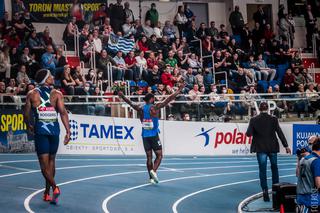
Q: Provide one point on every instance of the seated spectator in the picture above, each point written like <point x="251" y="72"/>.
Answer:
<point x="313" y="97"/>
<point x="97" y="109"/>
<point x="22" y="76"/>
<point x="35" y="45"/>
<point x="252" y="65"/>
<point x="79" y="78"/>
<point x="182" y="60"/>
<point x="268" y="33"/>
<point x="301" y="106"/>
<point x="191" y="32"/>
<point x="161" y="63"/>
<point x="152" y="60"/>
<point x="207" y="46"/>
<point x="48" y="61"/>
<point x="91" y="78"/>
<point x="168" y="30"/>
<point x="296" y="61"/>
<point x="194" y="63"/>
<point x="148" y="30"/>
<point x="160" y="92"/>
<point x="194" y="94"/>
<point x="46" y="39"/>
<point x="97" y="41"/>
<point x="219" y="62"/>
<point x="190" y="79"/>
<point x="68" y="83"/>
<point x="289" y="81"/>
<point x="268" y="73"/>
<point x="167" y="78"/>
<point x="223" y="32"/>
<point x="176" y="75"/>
<point x="87" y="49"/>
<point x="171" y="60"/>
<point x="201" y="33"/>
<point x="241" y="80"/>
<point x="141" y="63"/>
<point x="122" y="71"/>
<point x="131" y="64"/>
<point x="307" y="76"/>
<point x="69" y="32"/>
<point x="103" y="63"/>
<point x="153" y="76"/>
<point x="29" y="61"/>
<point x="61" y="59"/>
<point x="157" y="30"/>
<point x="299" y="78"/>
<point x="5" y="65"/>
<point x="153" y="45"/>
<point x="142" y="44"/>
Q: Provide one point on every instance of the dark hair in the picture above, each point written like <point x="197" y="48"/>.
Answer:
<point x="148" y="97"/>
<point x="40" y="75"/>
<point x="263" y="106"/>
<point x="316" y="145"/>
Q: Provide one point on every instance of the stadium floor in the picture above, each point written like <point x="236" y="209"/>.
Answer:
<point x="120" y="184"/>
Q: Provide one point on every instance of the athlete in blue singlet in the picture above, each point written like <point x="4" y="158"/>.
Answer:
<point x="46" y="103"/>
<point x="150" y="128"/>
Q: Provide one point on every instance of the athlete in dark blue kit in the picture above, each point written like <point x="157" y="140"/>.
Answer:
<point x="150" y="128"/>
<point x="46" y="103"/>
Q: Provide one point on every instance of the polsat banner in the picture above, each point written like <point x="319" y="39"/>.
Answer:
<point x="13" y="133"/>
<point x="58" y="11"/>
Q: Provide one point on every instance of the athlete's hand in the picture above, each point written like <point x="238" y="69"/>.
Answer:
<point x="288" y="150"/>
<point x="67" y="138"/>
<point x="120" y="94"/>
<point x="30" y="129"/>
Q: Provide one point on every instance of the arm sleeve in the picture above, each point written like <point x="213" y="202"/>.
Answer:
<point x="280" y="134"/>
<point x="249" y="132"/>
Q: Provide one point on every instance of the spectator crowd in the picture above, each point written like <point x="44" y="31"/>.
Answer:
<point x="245" y="61"/>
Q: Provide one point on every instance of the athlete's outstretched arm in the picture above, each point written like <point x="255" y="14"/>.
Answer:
<point x="26" y="113"/>
<point x="170" y="98"/>
<point x="125" y="99"/>
<point x="64" y="116"/>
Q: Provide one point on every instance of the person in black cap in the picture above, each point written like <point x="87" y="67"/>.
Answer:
<point x="150" y="128"/>
<point x="264" y="129"/>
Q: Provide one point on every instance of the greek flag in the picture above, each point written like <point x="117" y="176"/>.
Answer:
<point x="117" y="43"/>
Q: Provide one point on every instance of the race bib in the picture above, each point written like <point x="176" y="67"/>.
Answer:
<point x="47" y="114"/>
<point x="147" y="124"/>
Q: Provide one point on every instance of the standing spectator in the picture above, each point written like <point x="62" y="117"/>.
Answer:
<point x="268" y="33"/>
<point x="128" y="28"/>
<point x="128" y="12"/>
<point x="77" y="12"/>
<point x="69" y="33"/>
<point x="188" y="12"/>
<point x="181" y="20"/>
<point x="152" y="15"/>
<point x="260" y="17"/>
<point x="264" y="129"/>
<point x="284" y="28"/>
<point x="18" y="7"/>
<point x="68" y="82"/>
<point x="117" y="16"/>
<point x="292" y="29"/>
<point x="223" y="31"/>
<point x="47" y="39"/>
<point x="99" y="15"/>
<point x="236" y="21"/>
<point x="201" y="33"/>
<point x="310" y="20"/>
<point x="5" y="65"/>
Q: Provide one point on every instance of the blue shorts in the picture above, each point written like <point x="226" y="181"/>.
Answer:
<point x="46" y="144"/>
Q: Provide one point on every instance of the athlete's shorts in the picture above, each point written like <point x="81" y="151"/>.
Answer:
<point x="46" y="144"/>
<point x="152" y="143"/>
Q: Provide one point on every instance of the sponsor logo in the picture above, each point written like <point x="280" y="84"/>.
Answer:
<point x="95" y="131"/>
<point x="227" y="138"/>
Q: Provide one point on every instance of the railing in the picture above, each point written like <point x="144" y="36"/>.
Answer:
<point x="93" y="64"/>
<point x="312" y="71"/>
<point x="110" y="76"/>
<point x="76" y="37"/>
<point x="226" y="78"/>
<point x="314" y="45"/>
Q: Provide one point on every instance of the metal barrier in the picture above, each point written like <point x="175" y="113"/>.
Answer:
<point x="226" y="78"/>
<point x="200" y="42"/>
<point x="313" y="71"/>
<point x="314" y="45"/>
<point x="76" y="36"/>
<point x="110" y="76"/>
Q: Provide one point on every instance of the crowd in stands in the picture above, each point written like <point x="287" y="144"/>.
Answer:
<point x="244" y="61"/>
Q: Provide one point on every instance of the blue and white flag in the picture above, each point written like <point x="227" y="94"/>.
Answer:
<point x="117" y="43"/>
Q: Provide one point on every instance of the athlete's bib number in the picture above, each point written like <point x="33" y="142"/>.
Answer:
<point x="47" y="114"/>
<point x="147" y="124"/>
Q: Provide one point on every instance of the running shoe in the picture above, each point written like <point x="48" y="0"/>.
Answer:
<point x="152" y="181"/>
<point x="46" y="197"/>
<point x="56" y="194"/>
<point x="154" y="176"/>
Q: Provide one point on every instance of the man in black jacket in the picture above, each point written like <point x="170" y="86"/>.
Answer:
<point x="263" y="129"/>
<point x="310" y="20"/>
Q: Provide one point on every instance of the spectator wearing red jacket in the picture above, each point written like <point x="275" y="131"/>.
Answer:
<point x="288" y="81"/>
<point x="142" y="44"/>
<point x="167" y="78"/>
<point x="151" y="61"/>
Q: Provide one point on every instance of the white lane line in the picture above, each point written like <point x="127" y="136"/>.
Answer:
<point x="105" y="202"/>
<point x="203" y="162"/>
<point x="255" y="196"/>
<point x="139" y="165"/>
<point x="175" y="205"/>
<point x="27" y="188"/>
<point x="16" y="168"/>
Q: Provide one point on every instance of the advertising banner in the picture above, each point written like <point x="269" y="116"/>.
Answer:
<point x="57" y="11"/>
<point x="119" y="136"/>
<point x="13" y="134"/>
<point x="301" y="134"/>
<point x="102" y="135"/>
